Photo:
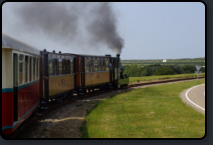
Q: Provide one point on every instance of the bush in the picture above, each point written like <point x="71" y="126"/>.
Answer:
<point x="202" y="69"/>
<point x="164" y="71"/>
<point x="189" y="69"/>
<point x="133" y="70"/>
<point x="177" y="69"/>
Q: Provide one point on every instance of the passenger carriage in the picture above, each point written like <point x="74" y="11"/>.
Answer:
<point x="20" y="82"/>
<point x="93" y="72"/>
<point x="66" y="73"/>
<point x="57" y="76"/>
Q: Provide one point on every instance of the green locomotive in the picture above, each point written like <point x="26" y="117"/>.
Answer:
<point x="119" y="79"/>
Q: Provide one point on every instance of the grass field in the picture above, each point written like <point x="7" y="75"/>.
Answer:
<point x="152" y="112"/>
<point x="150" y="78"/>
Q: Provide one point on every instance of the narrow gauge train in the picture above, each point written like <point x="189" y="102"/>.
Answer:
<point x="31" y="79"/>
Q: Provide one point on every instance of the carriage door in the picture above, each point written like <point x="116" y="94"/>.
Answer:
<point x="46" y="77"/>
<point x="75" y="71"/>
<point x="15" y="86"/>
<point x="78" y="72"/>
<point x="82" y="71"/>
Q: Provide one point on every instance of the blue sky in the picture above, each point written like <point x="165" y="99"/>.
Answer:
<point x="150" y="31"/>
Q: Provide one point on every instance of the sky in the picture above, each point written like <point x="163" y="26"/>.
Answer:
<point x="148" y="30"/>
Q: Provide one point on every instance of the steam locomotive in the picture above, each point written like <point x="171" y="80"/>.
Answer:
<point x="31" y="79"/>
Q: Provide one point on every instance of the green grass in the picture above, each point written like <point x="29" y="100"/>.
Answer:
<point x="149" y="78"/>
<point x="152" y="112"/>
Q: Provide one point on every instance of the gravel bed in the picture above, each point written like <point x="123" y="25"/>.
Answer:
<point x="36" y="129"/>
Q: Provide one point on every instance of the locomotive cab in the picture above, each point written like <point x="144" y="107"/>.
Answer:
<point x="118" y="78"/>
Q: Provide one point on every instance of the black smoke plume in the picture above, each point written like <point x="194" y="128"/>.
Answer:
<point x="65" y="22"/>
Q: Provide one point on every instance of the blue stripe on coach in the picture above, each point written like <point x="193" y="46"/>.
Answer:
<point x="10" y="90"/>
<point x="7" y="90"/>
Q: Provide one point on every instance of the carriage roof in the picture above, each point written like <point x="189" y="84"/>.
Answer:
<point x="12" y="43"/>
<point x="85" y="55"/>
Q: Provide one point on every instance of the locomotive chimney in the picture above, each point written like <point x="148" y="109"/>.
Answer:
<point x="118" y="55"/>
<point x="45" y="50"/>
<point x="53" y="51"/>
<point x="59" y="51"/>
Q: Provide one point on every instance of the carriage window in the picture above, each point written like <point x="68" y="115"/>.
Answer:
<point x="67" y="66"/>
<point x="91" y="65"/>
<point x="63" y="66"/>
<point x="33" y="68"/>
<point x="80" y="64"/>
<point x="30" y="70"/>
<point x="86" y="65"/>
<point x="107" y="65"/>
<point x="104" y="65"/>
<point x="37" y="68"/>
<point x="55" y="67"/>
<point x="26" y="69"/>
<point x="50" y="67"/>
<point x="60" y="66"/>
<point x="36" y="74"/>
<point x="98" y="62"/>
<point x="21" y="73"/>
<point x="21" y="57"/>
<point x="71" y="66"/>
<point x="96" y="65"/>
<point x="100" y="65"/>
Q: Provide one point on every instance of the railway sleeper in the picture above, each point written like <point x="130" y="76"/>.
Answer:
<point x="74" y="96"/>
<point x="81" y="90"/>
<point x="44" y="108"/>
<point x="81" y="94"/>
<point x="41" y="108"/>
<point x="74" y="91"/>
<point x="110" y="87"/>
<point x="92" y="90"/>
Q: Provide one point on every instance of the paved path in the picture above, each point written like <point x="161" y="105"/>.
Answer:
<point x="195" y="97"/>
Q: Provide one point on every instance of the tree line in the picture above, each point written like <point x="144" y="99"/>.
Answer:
<point x="134" y="70"/>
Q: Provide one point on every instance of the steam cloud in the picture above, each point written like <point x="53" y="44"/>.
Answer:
<point x="63" y="22"/>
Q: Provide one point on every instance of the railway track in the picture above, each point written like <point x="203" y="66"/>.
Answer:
<point x="28" y="125"/>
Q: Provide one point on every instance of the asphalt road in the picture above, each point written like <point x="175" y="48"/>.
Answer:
<point x="195" y="97"/>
